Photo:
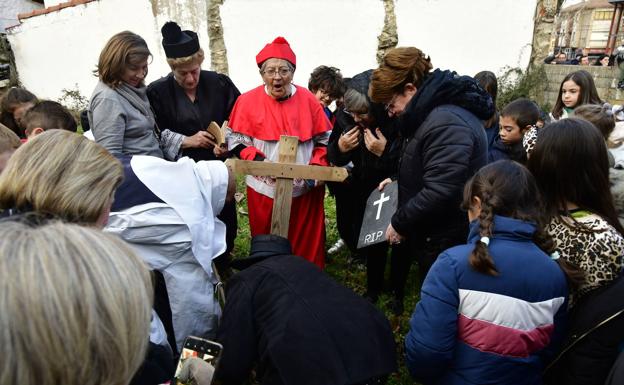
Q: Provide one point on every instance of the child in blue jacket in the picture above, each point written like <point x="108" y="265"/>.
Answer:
<point x="516" y="120"/>
<point x="491" y="311"/>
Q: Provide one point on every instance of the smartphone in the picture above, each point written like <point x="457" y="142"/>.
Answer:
<point x="209" y="351"/>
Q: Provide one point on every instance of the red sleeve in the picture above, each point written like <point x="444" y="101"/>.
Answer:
<point x="319" y="157"/>
<point x="250" y="153"/>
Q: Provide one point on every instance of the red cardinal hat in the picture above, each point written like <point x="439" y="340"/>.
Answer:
<point x="279" y="49"/>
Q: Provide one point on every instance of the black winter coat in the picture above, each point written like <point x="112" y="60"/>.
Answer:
<point x="594" y="338"/>
<point x="444" y="145"/>
<point x="300" y="326"/>
<point x="368" y="168"/>
<point x="216" y="95"/>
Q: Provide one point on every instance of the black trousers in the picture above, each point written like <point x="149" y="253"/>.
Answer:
<point x="349" y="213"/>
<point x="424" y="251"/>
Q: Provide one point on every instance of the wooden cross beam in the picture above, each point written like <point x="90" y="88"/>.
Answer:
<point x="285" y="170"/>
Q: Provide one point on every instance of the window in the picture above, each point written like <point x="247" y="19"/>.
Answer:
<point x="603" y="15"/>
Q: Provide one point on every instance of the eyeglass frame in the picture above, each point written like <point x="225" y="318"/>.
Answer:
<point x="271" y="72"/>
<point x="354" y="114"/>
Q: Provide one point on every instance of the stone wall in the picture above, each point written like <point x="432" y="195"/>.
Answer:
<point x="604" y="77"/>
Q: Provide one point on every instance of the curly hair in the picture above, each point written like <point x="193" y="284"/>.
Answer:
<point x="328" y="79"/>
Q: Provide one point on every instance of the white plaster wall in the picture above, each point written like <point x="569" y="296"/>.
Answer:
<point x="60" y="49"/>
<point x="10" y="8"/>
<point x="465" y="36"/>
<point x="338" y="33"/>
<point x="468" y="36"/>
<point x="49" y="3"/>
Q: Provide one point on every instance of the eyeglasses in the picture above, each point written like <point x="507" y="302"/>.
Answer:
<point x="361" y="115"/>
<point x="390" y="104"/>
<point x="271" y="72"/>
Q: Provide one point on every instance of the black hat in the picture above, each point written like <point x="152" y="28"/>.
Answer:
<point x="178" y="43"/>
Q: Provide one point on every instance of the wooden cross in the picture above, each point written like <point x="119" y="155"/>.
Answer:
<point x="285" y="170"/>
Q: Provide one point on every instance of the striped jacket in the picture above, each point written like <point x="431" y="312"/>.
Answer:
<point x="472" y="328"/>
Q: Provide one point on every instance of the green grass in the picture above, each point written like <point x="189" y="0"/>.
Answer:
<point x="350" y="275"/>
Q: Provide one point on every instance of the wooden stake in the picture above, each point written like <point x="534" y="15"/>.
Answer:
<point x="282" y="202"/>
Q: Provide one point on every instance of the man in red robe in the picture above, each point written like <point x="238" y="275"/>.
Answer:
<point x="258" y="119"/>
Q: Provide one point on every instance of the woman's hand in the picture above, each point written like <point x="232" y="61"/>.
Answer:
<point x="384" y="183"/>
<point x="350" y="140"/>
<point x="376" y="145"/>
<point x="202" y="139"/>
<point x="392" y="236"/>
<point x="220" y="152"/>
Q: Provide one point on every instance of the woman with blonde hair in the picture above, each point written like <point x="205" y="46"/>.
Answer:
<point x="63" y="174"/>
<point x="74" y="306"/>
<point x="119" y="113"/>
<point x="440" y="118"/>
<point x="60" y="174"/>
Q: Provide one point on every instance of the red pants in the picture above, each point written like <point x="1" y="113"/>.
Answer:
<point x="306" y="230"/>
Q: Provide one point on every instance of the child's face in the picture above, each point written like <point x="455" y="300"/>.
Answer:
<point x="510" y="133"/>
<point x="570" y="93"/>
<point x="323" y="97"/>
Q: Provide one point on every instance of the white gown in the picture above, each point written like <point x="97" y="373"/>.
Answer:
<point x="181" y="236"/>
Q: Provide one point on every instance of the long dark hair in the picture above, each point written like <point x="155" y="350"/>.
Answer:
<point x="570" y="164"/>
<point x="487" y="80"/>
<point x="508" y="189"/>
<point x="587" y="95"/>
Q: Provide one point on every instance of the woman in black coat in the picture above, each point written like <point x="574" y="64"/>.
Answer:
<point x="444" y="144"/>
<point x="186" y="101"/>
<point x="364" y="136"/>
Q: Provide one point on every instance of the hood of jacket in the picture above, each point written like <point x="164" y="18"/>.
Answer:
<point x="360" y="83"/>
<point x="504" y="228"/>
<point x="446" y="87"/>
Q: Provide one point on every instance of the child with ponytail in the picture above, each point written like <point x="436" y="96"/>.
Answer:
<point x="491" y="311"/>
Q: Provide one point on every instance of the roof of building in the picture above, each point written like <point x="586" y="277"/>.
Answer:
<point x="53" y="8"/>
<point x="588" y="4"/>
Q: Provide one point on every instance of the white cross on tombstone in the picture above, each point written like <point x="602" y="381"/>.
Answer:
<point x="379" y="202"/>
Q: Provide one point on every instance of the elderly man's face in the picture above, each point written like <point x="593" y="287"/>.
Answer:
<point x="277" y="77"/>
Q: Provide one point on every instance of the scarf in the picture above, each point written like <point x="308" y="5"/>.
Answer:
<point x="137" y="97"/>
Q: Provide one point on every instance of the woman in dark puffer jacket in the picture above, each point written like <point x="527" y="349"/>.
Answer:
<point x="444" y="144"/>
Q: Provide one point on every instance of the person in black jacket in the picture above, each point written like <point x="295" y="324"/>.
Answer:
<point x="186" y="101"/>
<point x="365" y="136"/>
<point x="444" y="144"/>
<point x="297" y="326"/>
<point x="594" y="340"/>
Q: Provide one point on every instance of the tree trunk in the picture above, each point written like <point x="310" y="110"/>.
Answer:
<point x="218" y="51"/>
<point x="388" y="38"/>
<point x="544" y="24"/>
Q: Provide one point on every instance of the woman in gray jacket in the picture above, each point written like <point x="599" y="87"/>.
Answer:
<point x="120" y="115"/>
